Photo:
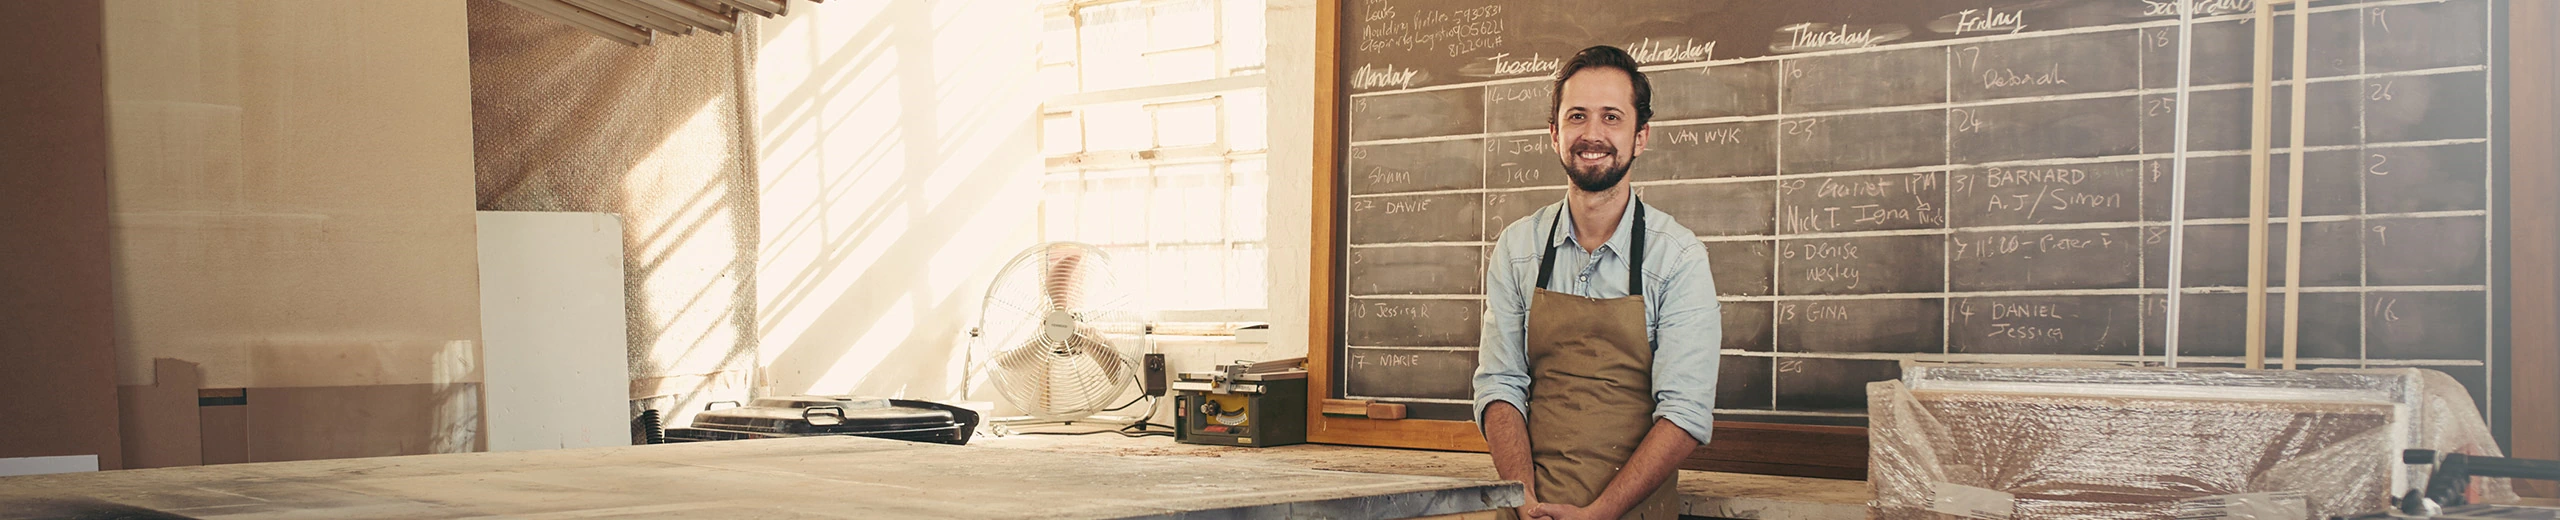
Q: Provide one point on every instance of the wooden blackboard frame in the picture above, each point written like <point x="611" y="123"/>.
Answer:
<point x="2529" y="383"/>
<point x="1835" y="452"/>
<point x="1324" y="329"/>
<point x="2532" y="373"/>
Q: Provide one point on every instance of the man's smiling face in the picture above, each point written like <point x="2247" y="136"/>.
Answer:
<point x="1595" y="130"/>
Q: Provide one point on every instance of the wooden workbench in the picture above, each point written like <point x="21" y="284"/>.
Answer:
<point x="1704" y="494"/>
<point x="823" y="477"/>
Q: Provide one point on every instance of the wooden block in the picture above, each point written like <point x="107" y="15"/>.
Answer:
<point x="1346" y="407"/>
<point x="1834" y="452"/>
<point x="224" y="418"/>
<point x="1386" y="411"/>
<point x="159" y="422"/>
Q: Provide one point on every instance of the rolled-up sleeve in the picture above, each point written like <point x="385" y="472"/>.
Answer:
<point x="1688" y="337"/>
<point x="1502" y="364"/>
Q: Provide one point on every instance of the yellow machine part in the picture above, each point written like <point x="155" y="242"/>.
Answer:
<point x="1232" y="403"/>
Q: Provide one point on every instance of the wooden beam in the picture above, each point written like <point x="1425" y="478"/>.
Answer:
<point x="676" y="11"/>
<point x="1322" y="283"/>
<point x="2261" y="110"/>
<point x="2533" y="295"/>
<point x="765" y="8"/>
<point x="2293" y="186"/>
<point x="716" y="21"/>
<point x="1833" y="452"/>
<point x="633" y="15"/>
<point x="591" y="22"/>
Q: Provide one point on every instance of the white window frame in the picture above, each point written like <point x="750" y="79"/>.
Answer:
<point x="1079" y="165"/>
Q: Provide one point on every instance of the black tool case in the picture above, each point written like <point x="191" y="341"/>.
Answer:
<point x="812" y="415"/>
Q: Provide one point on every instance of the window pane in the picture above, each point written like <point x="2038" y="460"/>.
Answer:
<point x="1061" y="134"/>
<point x="1117" y="127"/>
<point x="1129" y="267"/>
<point x="1115" y="208"/>
<point x="1247" y="285"/>
<point x="1186" y="124"/>
<point x="1241" y="35"/>
<point x="1246" y="116"/>
<point x="1181" y="24"/>
<point x="1186" y="278"/>
<point x="1113" y="40"/>
<point x="1058" y="207"/>
<point x="1185" y="228"/>
<point x="1248" y="200"/>
<point x="1205" y="268"/>
<point x="1184" y="65"/>
<point x="1192" y="194"/>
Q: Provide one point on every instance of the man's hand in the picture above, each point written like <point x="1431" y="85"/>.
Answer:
<point x="1529" y="509"/>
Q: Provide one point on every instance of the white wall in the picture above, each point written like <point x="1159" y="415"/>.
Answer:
<point x="899" y="170"/>
<point x="1291" y="29"/>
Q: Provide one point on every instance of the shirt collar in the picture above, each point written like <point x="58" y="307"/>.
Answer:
<point x="1617" y="239"/>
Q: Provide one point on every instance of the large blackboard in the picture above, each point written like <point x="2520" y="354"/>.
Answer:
<point x="1937" y="180"/>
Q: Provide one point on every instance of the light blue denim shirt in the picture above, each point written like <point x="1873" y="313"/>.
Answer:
<point x="1681" y="315"/>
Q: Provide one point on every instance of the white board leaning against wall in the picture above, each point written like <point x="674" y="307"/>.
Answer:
<point x="551" y="314"/>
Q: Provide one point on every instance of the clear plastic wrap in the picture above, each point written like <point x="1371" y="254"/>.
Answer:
<point x="2116" y="442"/>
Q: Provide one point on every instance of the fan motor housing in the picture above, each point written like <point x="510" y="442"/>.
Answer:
<point x="1058" y="324"/>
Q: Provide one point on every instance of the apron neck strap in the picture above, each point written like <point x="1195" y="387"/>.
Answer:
<point x="1635" y="261"/>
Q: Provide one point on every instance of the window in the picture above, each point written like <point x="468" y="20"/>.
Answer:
<point x="1153" y="134"/>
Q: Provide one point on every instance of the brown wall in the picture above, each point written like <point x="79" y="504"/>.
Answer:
<point x="291" y="186"/>
<point x="288" y="174"/>
<point x="57" y="321"/>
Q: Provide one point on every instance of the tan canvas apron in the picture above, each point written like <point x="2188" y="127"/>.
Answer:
<point x="1591" y="387"/>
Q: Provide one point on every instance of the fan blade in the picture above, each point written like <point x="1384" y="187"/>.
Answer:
<point x="1064" y="279"/>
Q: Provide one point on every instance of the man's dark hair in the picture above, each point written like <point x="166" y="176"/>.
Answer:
<point x="1603" y="56"/>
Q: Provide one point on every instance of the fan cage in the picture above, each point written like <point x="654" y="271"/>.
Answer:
<point x="1049" y="314"/>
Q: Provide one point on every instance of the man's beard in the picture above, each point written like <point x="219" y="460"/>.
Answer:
<point x="1599" y="178"/>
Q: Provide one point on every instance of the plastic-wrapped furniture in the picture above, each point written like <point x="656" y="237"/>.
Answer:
<point x="2120" y="442"/>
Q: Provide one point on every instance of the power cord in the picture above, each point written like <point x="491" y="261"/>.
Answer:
<point x="1143" y="423"/>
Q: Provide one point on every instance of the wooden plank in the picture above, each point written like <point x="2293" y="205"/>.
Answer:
<point x="2533" y="403"/>
<point x="58" y="319"/>
<point x="1834" y="452"/>
<point x="2261" y="137"/>
<point x="159" y="421"/>
<point x="1346" y="407"/>
<point x="223" y="419"/>
<point x="815" y="477"/>
<point x="2293" y="199"/>
<point x="1323" y="309"/>
<point x="1778" y="469"/>
<point x="1407" y="433"/>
